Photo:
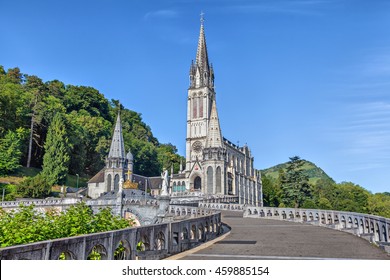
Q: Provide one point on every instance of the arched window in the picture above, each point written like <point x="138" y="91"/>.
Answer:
<point x="209" y="179"/>
<point x="197" y="183"/>
<point x="200" y="232"/>
<point x="184" y="234"/>
<point x="159" y="241"/>
<point x="67" y="255"/>
<point x="116" y="182"/>
<point x="200" y="107"/>
<point x="123" y="251"/>
<point x="195" y="107"/>
<point x="98" y="252"/>
<point x="193" y="232"/>
<point x="218" y="176"/>
<point x="143" y="244"/>
<point x="109" y="178"/>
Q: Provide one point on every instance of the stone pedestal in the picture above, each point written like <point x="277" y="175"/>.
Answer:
<point x="163" y="202"/>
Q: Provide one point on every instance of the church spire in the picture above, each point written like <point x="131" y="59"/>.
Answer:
<point x="117" y="149"/>
<point x="202" y="59"/>
<point x="214" y="135"/>
<point x="201" y="73"/>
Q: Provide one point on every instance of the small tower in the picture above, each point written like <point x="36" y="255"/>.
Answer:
<point x="214" y="155"/>
<point x="116" y="163"/>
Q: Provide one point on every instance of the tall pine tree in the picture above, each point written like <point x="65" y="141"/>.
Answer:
<point x="295" y="185"/>
<point x="56" y="158"/>
<point x="10" y="153"/>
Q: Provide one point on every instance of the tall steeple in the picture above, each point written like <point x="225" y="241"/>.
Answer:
<point x="214" y="135"/>
<point x="202" y="59"/>
<point x="117" y="161"/>
<point x="117" y="149"/>
<point x="201" y="73"/>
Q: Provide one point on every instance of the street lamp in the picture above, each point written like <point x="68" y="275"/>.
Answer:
<point x="77" y="184"/>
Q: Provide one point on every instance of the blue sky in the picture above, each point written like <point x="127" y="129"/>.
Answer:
<point x="299" y="77"/>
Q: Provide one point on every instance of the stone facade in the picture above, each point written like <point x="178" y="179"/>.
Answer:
<point x="214" y="165"/>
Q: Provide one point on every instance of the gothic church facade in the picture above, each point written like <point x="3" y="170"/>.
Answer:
<point x="214" y="165"/>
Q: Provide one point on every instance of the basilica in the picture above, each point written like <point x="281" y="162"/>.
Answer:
<point x="214" y="165"/>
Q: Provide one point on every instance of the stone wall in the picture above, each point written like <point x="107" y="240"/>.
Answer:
<point x="159" y="241"/>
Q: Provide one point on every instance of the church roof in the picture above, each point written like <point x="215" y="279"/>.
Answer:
<point x="98" y="178"/>
<point x="153" y="182"/>
<point x="178" y="176"/>
<point x="117" y="149"/>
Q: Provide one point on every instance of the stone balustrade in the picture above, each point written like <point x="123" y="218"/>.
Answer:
<point x="157" y="241"/>
<point x="39" y="202"/>
<point x="222" y="206"/>
<point x="179" y="210"/>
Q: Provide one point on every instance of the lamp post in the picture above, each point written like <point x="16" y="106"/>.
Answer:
<point x="77" y="184"/>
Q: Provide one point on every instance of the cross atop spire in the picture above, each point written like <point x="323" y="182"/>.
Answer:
<point x="201" y="17"/>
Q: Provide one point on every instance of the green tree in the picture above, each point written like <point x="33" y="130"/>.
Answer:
<point x="26" y="224"/>
<point x="271" y="191"/>
<point x="28" y="102"/>
<point x="10" y="153"/>
<point x="14" y="105"/>
<point x="379" y="204"/>
<point x="34" y="187"/>
<point x="350" y="197"/>
<point x="295" y="186"/>
<point x="56" y="158"/>
<point x="167" y="157"/>
<point x="145" y="158"/>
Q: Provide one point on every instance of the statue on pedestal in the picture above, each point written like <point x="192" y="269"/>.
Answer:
<point x="165" y="183"/>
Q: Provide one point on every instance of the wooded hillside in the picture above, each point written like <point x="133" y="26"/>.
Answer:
<point x="81" y="120"/>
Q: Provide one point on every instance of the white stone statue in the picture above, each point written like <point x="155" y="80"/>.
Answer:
<point x="165" y="183"/>
<point x="120" y="185"/>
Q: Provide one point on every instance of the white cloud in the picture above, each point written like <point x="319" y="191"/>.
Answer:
<point x="364" y="135"/>
<point x="378" y="65"/>
<point x="300" y="7"/>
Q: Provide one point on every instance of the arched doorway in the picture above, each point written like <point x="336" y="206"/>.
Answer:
<point x="197" y="183"/>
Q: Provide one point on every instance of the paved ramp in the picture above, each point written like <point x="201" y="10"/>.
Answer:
<point x="252" y="238"/>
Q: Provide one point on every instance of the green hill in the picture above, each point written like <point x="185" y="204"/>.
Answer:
<point x="314" y="172"/>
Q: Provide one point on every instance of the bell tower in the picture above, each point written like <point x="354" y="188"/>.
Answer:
<point x="201" y="96"/>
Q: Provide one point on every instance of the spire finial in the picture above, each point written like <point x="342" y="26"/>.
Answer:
<point x="202" y="17"/>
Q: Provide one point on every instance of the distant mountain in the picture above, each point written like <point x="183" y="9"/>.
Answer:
<point x="311" y="170"/>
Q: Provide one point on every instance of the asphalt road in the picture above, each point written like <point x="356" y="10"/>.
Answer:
<point x="260" y="239"/>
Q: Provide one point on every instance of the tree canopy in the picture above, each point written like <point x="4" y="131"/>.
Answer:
<point x="30" y="105"/>
<point x="289" y="185"/>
